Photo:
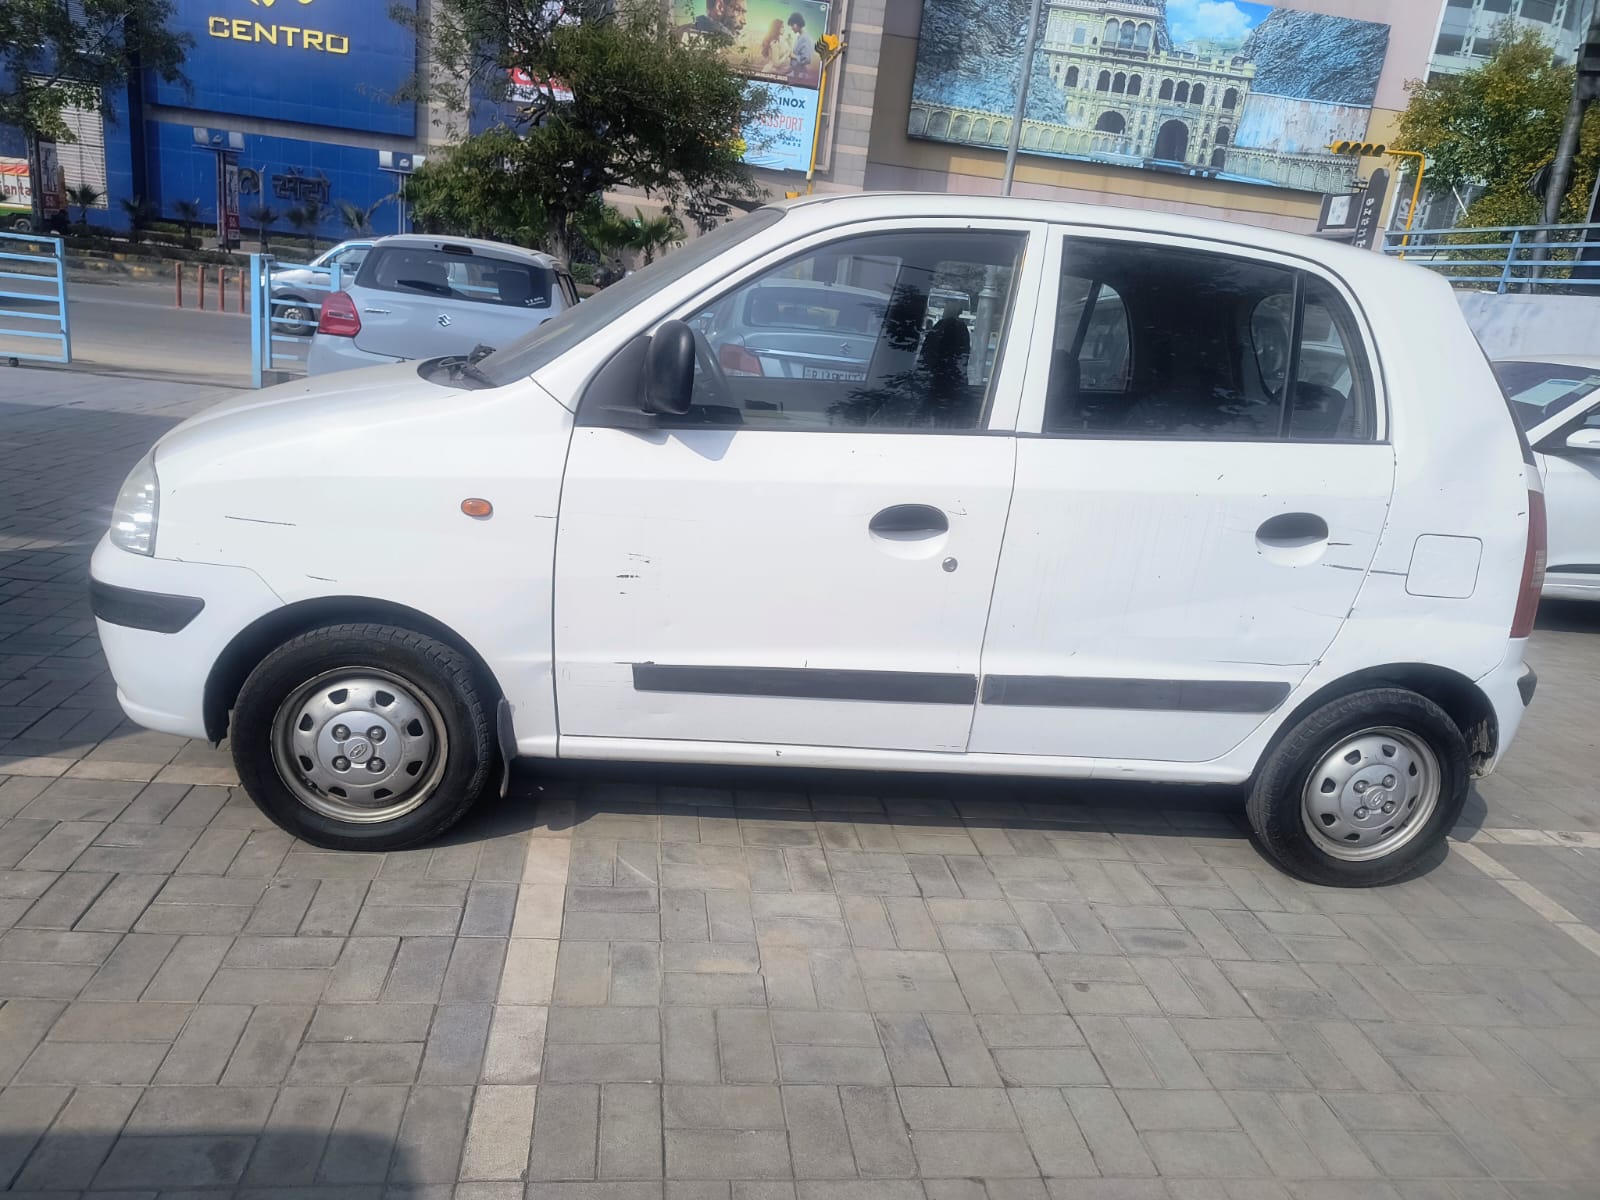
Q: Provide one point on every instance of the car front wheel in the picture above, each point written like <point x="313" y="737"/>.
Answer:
<point x="1360" y="790"/>
<point x="292" y="315"/>
<point x="363" y="737"/>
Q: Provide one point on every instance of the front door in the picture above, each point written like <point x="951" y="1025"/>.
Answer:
<point x="806" y="558"/>
<point x="1195" y="518"/>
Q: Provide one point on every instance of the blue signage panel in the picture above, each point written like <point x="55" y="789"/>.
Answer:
<point x="317" y="62"/>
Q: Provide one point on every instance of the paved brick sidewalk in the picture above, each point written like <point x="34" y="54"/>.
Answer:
<point x="636" y="987"/>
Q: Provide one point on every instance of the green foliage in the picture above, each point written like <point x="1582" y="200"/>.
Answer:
<point x="304" y="219"/>
<point x="188" y="215"/>
<point x="264" y="215"/>
<point x="357" y="220"/>
<point x="83" y="196"/>
<point x="648" y="109"/>
<point x="476" y="189"/>
<point x="1495" y="127"/>
<point x="54" y="54"/>
<point x="140" y="213"/>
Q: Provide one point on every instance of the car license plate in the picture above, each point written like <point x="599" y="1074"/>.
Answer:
<point x="829" y="373"/>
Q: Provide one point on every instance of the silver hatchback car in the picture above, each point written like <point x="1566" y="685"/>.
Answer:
<point x="421" y="296"/>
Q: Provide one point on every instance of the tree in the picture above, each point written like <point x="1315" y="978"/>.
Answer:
<point x="188" y="216"/>
<point x="358" y="220"/>
<point x="1494" y="128"/>
<point x="653" y="234"/>
<point x="54" y="56"/>
<point x="304" y="218"/>
<point x="140" y="213"/>
<point x="474" y="190"/>
<point x="636" y="106"/>
<point x="83" y="197"/>
<point x="263" y="215"/>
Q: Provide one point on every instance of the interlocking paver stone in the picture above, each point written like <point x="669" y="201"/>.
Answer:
<point x="613" y="988"/>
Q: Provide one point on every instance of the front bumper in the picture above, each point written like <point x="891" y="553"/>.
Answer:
<point x="163" y="625"/>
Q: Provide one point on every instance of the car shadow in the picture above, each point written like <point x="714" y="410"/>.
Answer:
<point x="52" y="1152"/>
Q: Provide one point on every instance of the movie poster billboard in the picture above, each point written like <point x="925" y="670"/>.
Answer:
<point x="1223" y="89"/>
<point x="773" y="43"/>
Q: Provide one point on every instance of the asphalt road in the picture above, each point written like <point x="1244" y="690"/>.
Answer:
<point x="135" y="328"/>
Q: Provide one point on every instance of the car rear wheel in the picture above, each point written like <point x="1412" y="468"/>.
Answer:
<point x="363" y="737"/>
<point x="293" y="315"/>
<point x="1362" y="789"/>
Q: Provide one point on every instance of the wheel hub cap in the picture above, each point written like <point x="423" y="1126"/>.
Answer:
<point x="359" y="745"/>
<point x="1370" y="794"/>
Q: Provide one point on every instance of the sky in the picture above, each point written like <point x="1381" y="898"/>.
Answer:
<point x="1223" y="22"/>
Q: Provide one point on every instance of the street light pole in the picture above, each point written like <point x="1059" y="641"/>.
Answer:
<point x="1022" y="98"/>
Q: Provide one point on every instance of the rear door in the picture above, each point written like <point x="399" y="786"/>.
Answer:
<point x="1180" y="548"/>
<point x="419" y="301"/>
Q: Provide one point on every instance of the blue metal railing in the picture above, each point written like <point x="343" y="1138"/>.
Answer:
<point x="33" y="299"/>
<point x="1506" y="258"/>
<point x="279" y="338"/>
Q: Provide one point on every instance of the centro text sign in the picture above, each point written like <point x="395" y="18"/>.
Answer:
<point x="331" y="63"/>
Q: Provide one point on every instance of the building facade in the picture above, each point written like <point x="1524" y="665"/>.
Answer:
<point x="1470" y="30"/>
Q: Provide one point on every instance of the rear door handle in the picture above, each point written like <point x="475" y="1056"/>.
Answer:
<point x="906" y="521"/>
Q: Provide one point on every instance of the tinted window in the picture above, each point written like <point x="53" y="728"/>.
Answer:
<point x="892" y="331"/>
<point x="1158" y="342"/>
<point x="423" y="271"/>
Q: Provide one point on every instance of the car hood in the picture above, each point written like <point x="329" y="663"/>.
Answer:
<point x="371" y="392"/>
<point x="301" y="277"/>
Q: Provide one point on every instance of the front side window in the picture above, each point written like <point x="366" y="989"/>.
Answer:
<point x="1167" y="343"/>
<point x="887" y="331"/>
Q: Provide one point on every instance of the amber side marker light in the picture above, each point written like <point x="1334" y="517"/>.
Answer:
<point x="473" y="506"/>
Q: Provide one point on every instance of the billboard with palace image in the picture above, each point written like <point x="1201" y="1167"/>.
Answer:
<point x="1223" y="89"/>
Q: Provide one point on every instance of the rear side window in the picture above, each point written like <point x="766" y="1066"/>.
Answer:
<point x="442" y="275"/>
<point x="1166" y="343"/>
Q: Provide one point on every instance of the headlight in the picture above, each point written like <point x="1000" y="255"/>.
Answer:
<point x="133" y="519"/>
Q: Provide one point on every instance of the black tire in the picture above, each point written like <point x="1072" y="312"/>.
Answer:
<point x="285" y="323"/>
<point x="1276" y="796"/>
<point x="464" y="768"/>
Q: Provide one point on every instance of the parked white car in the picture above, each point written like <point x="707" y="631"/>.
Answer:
<point x="1558" y="402"/>
<point x="1136" y="544"/>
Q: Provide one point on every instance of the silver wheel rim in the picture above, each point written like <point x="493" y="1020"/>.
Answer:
<point x="294" y="315"/>
<point x="359" y="745"/>
<point x="1370" y="794"/>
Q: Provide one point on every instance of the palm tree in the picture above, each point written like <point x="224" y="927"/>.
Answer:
<point x="140" y="212"/>
<point x="651" y="234"/>
<point x="358" y="220"/>
<point x="304" y="219"/>
<point x="263" y="215"/>
<point x="188" y="215"/>
<point x="83" y="197"/>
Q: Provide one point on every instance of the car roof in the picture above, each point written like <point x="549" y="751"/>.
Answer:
<point x="856" y="206"/>
<point x="428" y="241"/>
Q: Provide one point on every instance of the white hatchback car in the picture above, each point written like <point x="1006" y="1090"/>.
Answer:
<point x="1558" y="402"/>
<point x="1225" y="506"/>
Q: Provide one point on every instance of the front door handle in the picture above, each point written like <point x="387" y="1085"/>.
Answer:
<point x="903" y="522"/>
<point x="1292" y="530"/>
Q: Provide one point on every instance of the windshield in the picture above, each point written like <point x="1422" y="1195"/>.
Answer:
<point x="1539" y="390"/>
<point x="559" y="334"/>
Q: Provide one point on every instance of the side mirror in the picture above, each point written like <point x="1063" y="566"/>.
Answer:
<point x="1584" y="441"/>
<point x="667" y="378"/>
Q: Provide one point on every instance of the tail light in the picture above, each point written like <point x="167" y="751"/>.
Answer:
<point x="1533" y="564"/>
<point x="736" y="360"/>
<point x="339" y="317"/>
